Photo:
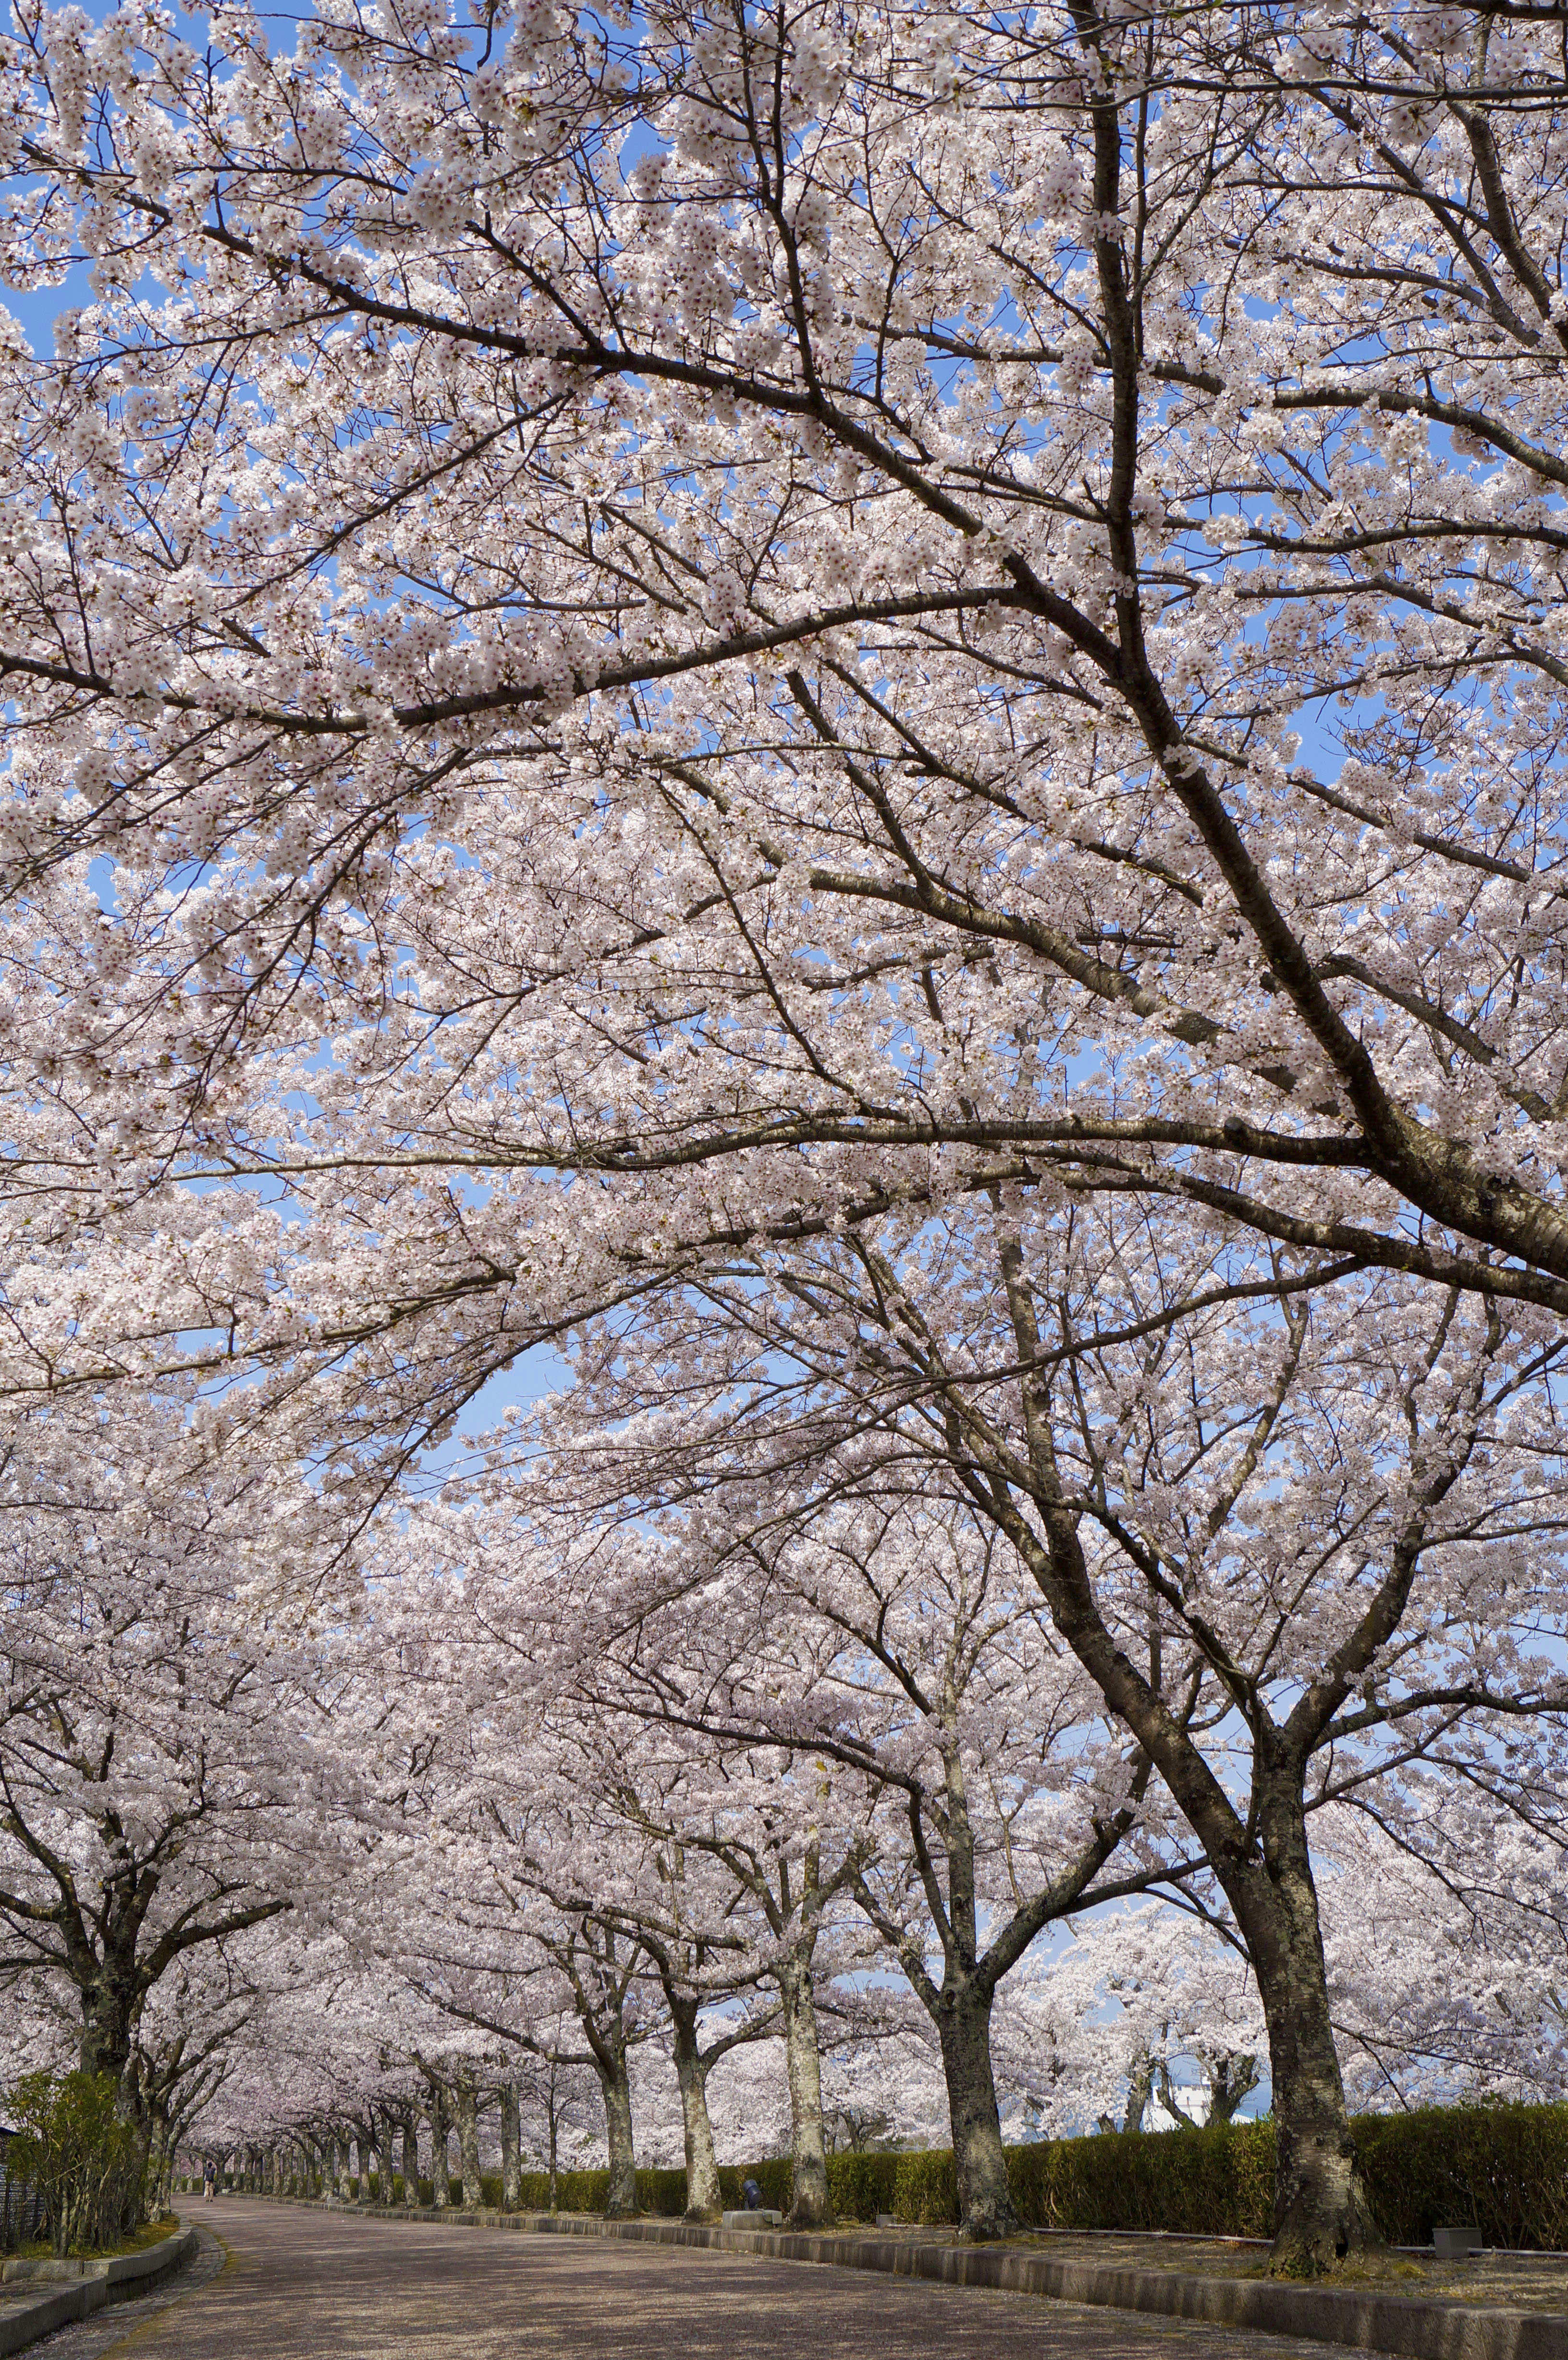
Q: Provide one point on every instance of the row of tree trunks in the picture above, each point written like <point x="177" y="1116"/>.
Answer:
<point x="341" y="2159"/>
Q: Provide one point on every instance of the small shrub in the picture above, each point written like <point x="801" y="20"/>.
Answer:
<point x="85" y="2162"/>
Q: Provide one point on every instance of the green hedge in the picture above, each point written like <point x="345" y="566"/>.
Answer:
<point x="454" y="2190"/>
<point x="1215" y="2182"/>
<point x="1505" y="2168"/>
<point x="916" y="2186"/>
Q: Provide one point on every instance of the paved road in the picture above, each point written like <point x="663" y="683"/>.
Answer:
<point x="299" y="2285"/>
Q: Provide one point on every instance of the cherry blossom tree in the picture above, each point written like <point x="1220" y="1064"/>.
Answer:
<point x="993" y="1810"/>
<point x="745" y="1850"/>
<point x="704" y="1966"/>
<point x="879" y="1711"/>
<point x="959" y="762"/>
<point x="1149" y="2019"/>
<point x="494" y="1884"/>
<point x="1445" y="1934"/>
<point x="152" y="1731"/>
<point x="693" y="650"/>
<point x="1297" y="1539"/>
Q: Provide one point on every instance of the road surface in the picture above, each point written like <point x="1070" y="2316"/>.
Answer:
<point x="281" y="2282"/>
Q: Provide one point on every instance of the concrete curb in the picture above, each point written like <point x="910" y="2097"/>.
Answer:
<point x="22" y="2324"/>
<point x="1379" y="2323"/>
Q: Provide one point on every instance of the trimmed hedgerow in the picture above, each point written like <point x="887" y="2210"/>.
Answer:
<point x="1505" y="2168"/>
<point x="914" y="2186"/>
<point x="662" y="2194"/>
<point x="1213" y="2182"/>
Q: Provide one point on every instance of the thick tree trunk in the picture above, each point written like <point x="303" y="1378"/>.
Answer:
<point x="466" y="2107"/>
<point x="441" y="2172"/>
<point x="810" y="2206"/>
<point x="702" y="2195"/>
<point x="410" y="2160"/>
<point x="1231" y="2077"/>
<point x="110" y="2005"/>
<point x="1321" y="2209"/>
<point x="511" y="2148"/>
<point x="1140" y="2089"/>
<point x="979" y="2162"/>
<point x="622" y="2200"/>
<point x="386" y="2165"/>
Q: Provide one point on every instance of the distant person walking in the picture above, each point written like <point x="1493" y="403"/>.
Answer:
<point x="210" y="2178"/>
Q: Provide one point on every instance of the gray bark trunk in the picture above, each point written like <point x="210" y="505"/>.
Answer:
<point x="1140" y="2089"/>
<point x="386" y="2165"/>
<point x="622" y="2199"/>
<point x="1231" y="2077"/>
<point x="979" y="2161"/>
<point x="466" y="2107"/>
<point x="810" y="2206"/>
<point x="410" y="2160"/>
<point x="1320" y="2208"/>
<point x="440" y="2175"/>
<point x="511" y="2148"/>
<point x="703" y="2194"/>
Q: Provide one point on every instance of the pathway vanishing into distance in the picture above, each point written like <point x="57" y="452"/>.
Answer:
<point x="301" y="2285"/>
